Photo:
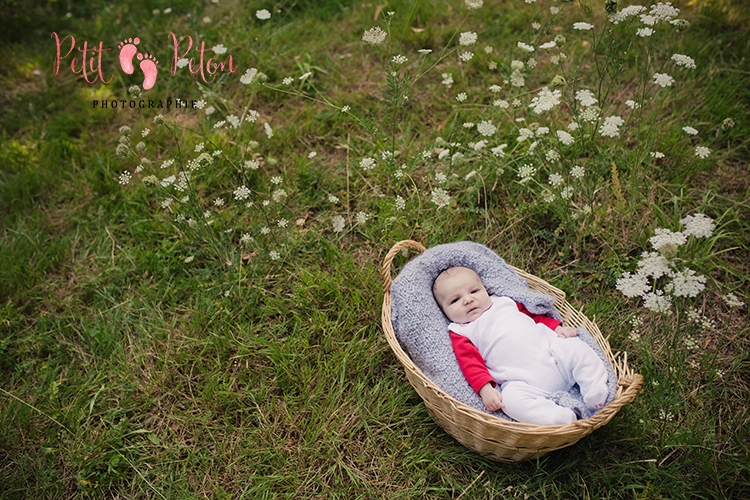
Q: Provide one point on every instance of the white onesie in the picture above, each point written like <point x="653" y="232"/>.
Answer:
<point x="530" y="362"/>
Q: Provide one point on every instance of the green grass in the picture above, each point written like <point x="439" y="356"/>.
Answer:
<point x="127" y="372"/>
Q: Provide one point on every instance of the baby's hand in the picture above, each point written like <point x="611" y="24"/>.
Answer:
<point x="491" y="397"/>
<point x="565" y="332"/>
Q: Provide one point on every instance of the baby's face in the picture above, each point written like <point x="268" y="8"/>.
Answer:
<point x="461" y="295"/>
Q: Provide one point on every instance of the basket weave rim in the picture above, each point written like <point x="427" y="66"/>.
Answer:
<point x="628" y="382"/>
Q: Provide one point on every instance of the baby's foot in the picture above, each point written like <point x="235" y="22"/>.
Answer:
<point x="127" y="51"/>
<point x="148" y="66"/>
<point x="596" y="396"/>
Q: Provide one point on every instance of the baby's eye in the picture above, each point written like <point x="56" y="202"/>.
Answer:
<point x="475" y="291"/>
<point x="454" y="300"/>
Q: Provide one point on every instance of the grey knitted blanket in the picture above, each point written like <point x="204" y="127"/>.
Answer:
<point x="422" y="328"/>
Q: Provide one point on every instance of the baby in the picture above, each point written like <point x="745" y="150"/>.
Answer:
<point x="497" y="341"/>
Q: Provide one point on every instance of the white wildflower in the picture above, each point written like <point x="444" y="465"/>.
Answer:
<point x="686" y="283"/>
<point x="268" y="130"/>
<point x="663" y="80"/>
<point x="644" y="32"/>
<point x="524" y="134"/>
<point x="467" y="38"/>
<point x="367" y="163"/>
<point x="461" y="97"/>
<point x="632" y="104"/>
<point x="632" y="285"/>
<point x="654" y="265"/>
<point x="702" y="152"/>
<point x="683" y="60"/>
<point x="440" y="197"/>
<point x="526" y="172"/>
<point x="555" y="179"/>
<point x="732" y="300"/>
<point x="583" y="26"/>
<point x="362" y="217"/>
<point x="664" y="11"/>
<point x="548" y="45"/>
<point x="447" y="79"/>
<point x="698" y="225"/>
<point x="124" y="178"/>
<point x="611" y="126"/>
<point x="374" y="36"/>
<point x="525" y="47"/>
<point x="499" y="150"/>
<point x="473" y="4"/>
<point x="500" y="103"/>
<point x="249" y="76"/>
<point x="399" y="59"/>
<point x="565" y="137"/>
<point x="545" y="100"/>
<point x="657" y="302"/>
<point x="466" y="56"/>
<point x="586" y="98"/>
<point x="664" y="236"/>
<point x="241" y="193"/>
<point x="577" y="172"/>
<point x="690" y="130"/>
<point x="486" y="128"/>
<point x="263" y="14"/>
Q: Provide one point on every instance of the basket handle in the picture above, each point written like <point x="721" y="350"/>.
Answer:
<point x="386" y="269"/>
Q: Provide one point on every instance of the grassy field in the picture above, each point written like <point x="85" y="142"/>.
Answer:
<point x="190" y="302"/>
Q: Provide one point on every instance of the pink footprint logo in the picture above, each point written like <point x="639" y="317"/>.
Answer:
<point x="127" y="51"/>
<point x="148" y="66"/>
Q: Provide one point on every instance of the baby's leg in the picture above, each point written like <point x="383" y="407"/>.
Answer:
<point x="586" y="369"/>
<point x="530" y="405"/>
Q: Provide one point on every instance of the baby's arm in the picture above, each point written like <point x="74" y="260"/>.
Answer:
<point x="471" y="362"/>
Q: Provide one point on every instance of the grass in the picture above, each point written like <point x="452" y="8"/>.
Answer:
<point x="127" y="372"/>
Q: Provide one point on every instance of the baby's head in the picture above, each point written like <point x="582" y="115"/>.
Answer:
<point x="460" y="294"/>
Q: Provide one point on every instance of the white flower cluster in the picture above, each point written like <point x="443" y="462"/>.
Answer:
<point x="663" y="263"/>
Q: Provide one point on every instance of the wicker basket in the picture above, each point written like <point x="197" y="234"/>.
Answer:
<point x="494" y="437"/>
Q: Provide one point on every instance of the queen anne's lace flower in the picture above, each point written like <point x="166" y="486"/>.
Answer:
<point x="241" y="193"/>
<point x="683" y="60"/>
<point x="664" y="236"/>
<point x="583" y="26"/>
<point x="686" y="283"/>
<point x="690" y="130"/>
<point x="698" y="225"/>
<point x="664" y="11"/>
<point x="702" y="152"/>
<point x="654" y="265"/>
<point x="586" y="98"/>
<point x="440" y="197"/>
<point x="632" y="285"/>
<point x="663" y="80"/>
<point x="545" y="100"/>
<point x="611" y="126"/>
<point x="631" y="10"/>
<point x="657" y="302"/>
<point x="338" y="223"/>
<point x="525" y="47"/>
<point x="486" y="128"/>
<point x="467" y="38"/>
<point x="565" y="137"/>
<point x="374" y="36"/>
